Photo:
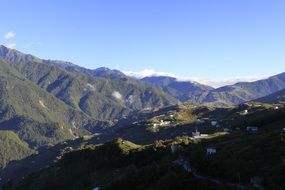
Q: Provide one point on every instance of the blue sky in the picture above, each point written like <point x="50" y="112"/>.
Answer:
<point x="213" y="39"/>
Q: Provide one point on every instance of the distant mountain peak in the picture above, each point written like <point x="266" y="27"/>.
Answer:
<point x="4" y="50"/>
<point x="107" y="72"/>
<point x="13" y="55"/>
<point x="3" y="47"/>
<point x="106" y="69"/>
<point x="165" y="80"/>
<point x="181" y="90"/>
<point x="102" y="69"/>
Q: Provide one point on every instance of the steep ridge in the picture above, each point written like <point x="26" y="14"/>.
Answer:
<point x="103" y="98"/>
<point x="44" y="103"/>
<point x="36" y="116"/>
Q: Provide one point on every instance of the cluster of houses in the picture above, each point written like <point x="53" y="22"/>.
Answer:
<point x="245" y="112"/>
<point x="161" y="123"/>
<point x="215" y="123"/>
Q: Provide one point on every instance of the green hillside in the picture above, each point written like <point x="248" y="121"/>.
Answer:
<point x="44" y="103"/>
<point x="239" y="159"/>
<point x="12" y="148"/>
<point x="35" y="115"/>
<point x="243" y="159"/>
<point x="131" y="167"/>
<point x="101" y="96"/>
<point x="101" y="128"/>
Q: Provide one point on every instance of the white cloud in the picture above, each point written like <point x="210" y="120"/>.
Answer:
<point x="207" y="81"/>
<point x="117" y="95"/>
<point x="11" y="46"/>
<point x="226" y="81"/>
<point x="147" y="73"/>
<point x="9" y="35"/>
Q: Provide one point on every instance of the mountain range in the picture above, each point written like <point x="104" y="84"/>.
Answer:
<point x="167" y="90"/>
<point x="193" y="92"/>
<point x="45" y="102"/>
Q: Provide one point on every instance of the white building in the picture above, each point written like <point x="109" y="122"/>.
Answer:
<point x="214" y="123"/>
<point x="252" y="129"/>
<point x="211" y="150"/>
<point x="245" y="112"/>
<point x="164" y="123"/>
<point x="196" y="134"/>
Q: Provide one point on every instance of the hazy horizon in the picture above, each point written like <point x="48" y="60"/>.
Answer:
<point x="213" y="82"/>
